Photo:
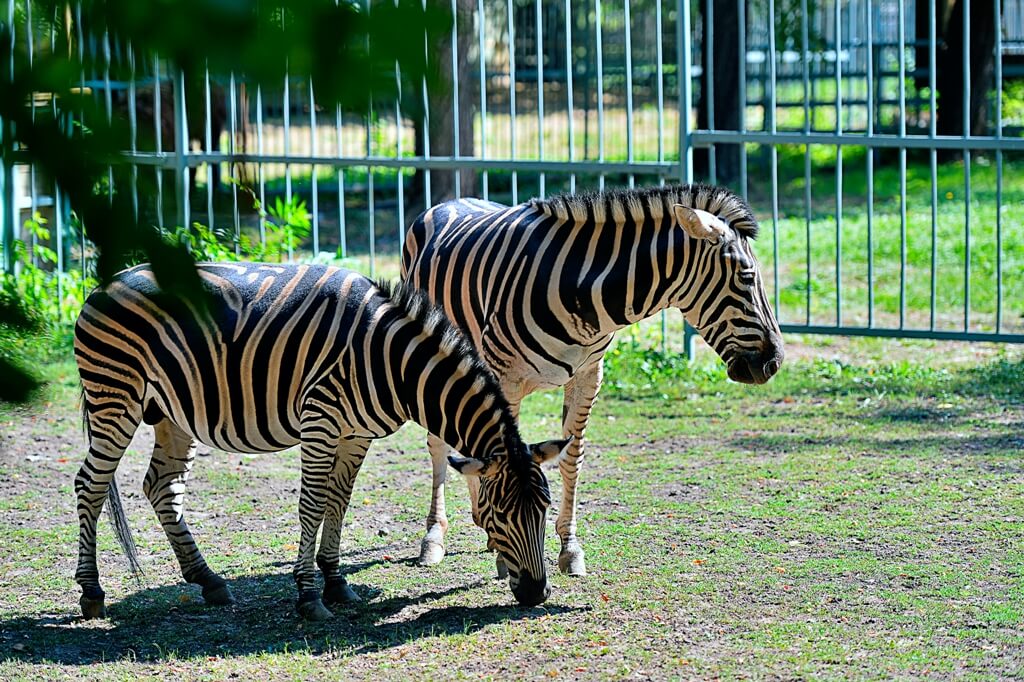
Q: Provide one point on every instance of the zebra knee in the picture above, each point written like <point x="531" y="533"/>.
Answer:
<point x="329" y="566"/>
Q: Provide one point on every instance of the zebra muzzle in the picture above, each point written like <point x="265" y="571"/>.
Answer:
<point x="531" y="592"/>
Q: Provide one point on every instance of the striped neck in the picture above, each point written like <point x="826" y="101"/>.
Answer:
<point x="635" y="259"/>
<point x="440" y="381"/>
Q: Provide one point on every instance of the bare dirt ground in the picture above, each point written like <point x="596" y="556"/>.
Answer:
<point x="782" y="533"/>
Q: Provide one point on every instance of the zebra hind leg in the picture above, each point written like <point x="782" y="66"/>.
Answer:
<point x="346" y="465"/>
<point x="110" y="425"/>
<point x="317" y="465"/>
<point x="432" y="547"/>
<point x="164" y="485"/>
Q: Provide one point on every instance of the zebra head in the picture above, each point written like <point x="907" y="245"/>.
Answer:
<point x="512" y="503"/>
<point x="726" y="302"/>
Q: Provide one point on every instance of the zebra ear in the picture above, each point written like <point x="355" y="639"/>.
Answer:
<point x="697" y="223"/>
<point x="549" y="449"/>
<point x="467" y="466"/>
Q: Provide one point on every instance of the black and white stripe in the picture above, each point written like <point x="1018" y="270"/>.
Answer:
<point x="542" y="287"/>
<point x="292" y="355"/>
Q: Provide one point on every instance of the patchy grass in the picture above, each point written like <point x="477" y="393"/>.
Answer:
<point x="862" y="515"/>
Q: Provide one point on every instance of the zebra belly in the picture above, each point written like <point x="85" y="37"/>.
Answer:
<point x="234" y="379"/>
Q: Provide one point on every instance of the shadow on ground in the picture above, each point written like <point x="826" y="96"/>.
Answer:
<point x="165" y="623"/>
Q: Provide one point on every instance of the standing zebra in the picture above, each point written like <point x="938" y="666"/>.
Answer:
<point x="542" y="287"/>
<point x="285" y="355"/>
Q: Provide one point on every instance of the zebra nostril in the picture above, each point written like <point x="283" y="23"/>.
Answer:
<point x="771" y="367"/>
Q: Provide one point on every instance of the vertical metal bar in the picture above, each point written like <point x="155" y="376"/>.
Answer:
<point x="81" y="116"/>
<point x="315" y="172"/>
<point x="481" y="27"/>
<point x="660" y="76"/>
<point x="455" y="98"/>
<point x="999" y="165"/>
<point x="933" y="156"/>
<point x="157" y="120"/>
<point x="107" y="106"/>
<point x="709" y="79"/>
<point x="870" y="156"/>
<point x="685" y="94"/>
<point x="808" y="199"/>
<point x="684" y="104"/>
<point x="426" y="112"/>
<point x="33" y="199"/>
<point x="209" y="146"/>
<point x="599" y="49"/>
<point x="774" y="152"/>
<point x="233" y="167"/>
<point x="839" y="163"/>
<point x="181" y="138"/>
<point x="286" y="106"/>
<point x="400" y="172"/>
<point x="58" y="214"/>
<point x="59" y="227"/>
<point x="902" y="67"/>
<point x="629" y="87"/>
<point x="539" y="37"/>
<point x="967" y="162"/>
<point x="259" y="165"/>
<point x="512" y="95"/>
<point x="742" y="61"/>
<point x="568" y="85"/>
<point x="8" y="232"/>
<point x="342" y="231"/>
<point x="132" y="129"/>
<point x="371" y="218"/>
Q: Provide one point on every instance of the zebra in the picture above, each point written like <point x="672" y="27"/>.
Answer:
<point x="280" y="355"/>
<point x="542" y="287"/>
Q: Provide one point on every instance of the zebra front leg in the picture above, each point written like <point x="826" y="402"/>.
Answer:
<point x="164" y="485"/>
<point x="580" y="394"/>
<point x="317" y="463"/>
<point x="110" y="432"/>
<point x="432" y="547"/>
<point x="351" y="454"/>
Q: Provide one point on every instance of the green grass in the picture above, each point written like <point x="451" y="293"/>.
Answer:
<point x="860" y="516"/>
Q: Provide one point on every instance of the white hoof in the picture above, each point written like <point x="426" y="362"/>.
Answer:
<point x="431" y="553"/>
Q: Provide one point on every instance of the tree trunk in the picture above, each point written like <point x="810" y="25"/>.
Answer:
<point x="950" y="90"/>
<point x="725" y="62"/>
<point x="441" y="107"/>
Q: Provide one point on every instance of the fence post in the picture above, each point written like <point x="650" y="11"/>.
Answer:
<point x="181" y="144"/>
<point x="8" y="211"/>
<point x="685" y="106"/>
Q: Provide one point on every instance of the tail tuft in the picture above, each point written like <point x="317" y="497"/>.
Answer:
<point x="123" y="531"/>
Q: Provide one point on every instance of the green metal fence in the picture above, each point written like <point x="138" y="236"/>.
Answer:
<point x="833" y="118"/>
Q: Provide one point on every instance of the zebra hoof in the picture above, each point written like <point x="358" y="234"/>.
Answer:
<point x="314" y="610"/>
<point x="218" y="595"/>
<point x="93" y="608"/>
<point x="500" y="567"/>
<point x="431" y="553"/>
<point x="571" y="561"/>
<point x="338" y="592"/>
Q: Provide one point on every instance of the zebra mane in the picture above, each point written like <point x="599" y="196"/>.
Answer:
<point x="654" y="202"/>
<point x="418" y="307"/>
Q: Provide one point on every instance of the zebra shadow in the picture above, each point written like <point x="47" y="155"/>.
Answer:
<point x="171" y="623"/>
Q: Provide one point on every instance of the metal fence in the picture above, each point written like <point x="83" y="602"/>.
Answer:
<point x="874" y="222"/>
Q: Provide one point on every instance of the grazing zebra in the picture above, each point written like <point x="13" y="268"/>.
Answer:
<point x="542" y="287"/>
<point x="284" y="355"/>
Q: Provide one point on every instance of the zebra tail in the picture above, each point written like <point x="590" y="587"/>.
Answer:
<point x="122" y="530"/>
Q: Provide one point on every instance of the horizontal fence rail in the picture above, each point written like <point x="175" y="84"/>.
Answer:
<point x="886" y="172"/>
